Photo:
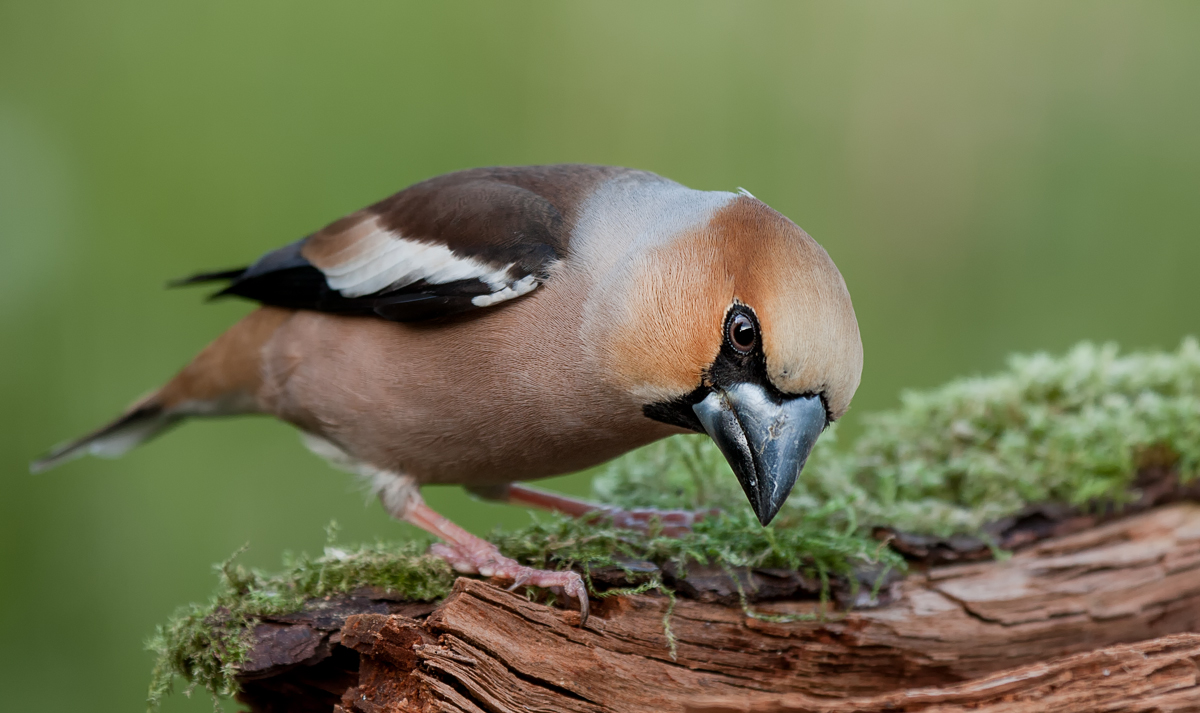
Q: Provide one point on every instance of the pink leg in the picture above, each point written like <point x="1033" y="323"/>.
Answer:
<point x="673" y="522"/>
<point x="469" y="554"/>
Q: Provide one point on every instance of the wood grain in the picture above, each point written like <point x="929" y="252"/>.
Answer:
<point x="1157" y="675"/>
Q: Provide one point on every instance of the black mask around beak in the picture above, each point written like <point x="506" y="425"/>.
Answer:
<point x="766" y="443"/>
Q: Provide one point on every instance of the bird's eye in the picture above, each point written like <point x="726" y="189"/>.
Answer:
<point x="742" y="333"/>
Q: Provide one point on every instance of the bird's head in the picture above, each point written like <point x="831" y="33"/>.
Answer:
<point x="740" y="327"/>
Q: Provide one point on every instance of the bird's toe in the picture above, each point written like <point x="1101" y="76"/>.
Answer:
<point x="488" y="562"/>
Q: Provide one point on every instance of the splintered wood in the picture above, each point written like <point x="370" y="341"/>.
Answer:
<point x="1052" y="628"/>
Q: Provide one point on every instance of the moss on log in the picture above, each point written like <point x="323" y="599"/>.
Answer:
<point x="1032" y="630"/>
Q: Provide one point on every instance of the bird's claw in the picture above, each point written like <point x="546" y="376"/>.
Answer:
<point x="519" y="581"/>
<point x="486" y="560"/>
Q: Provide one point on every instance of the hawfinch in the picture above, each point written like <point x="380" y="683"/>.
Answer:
<point x="507" y="324"/>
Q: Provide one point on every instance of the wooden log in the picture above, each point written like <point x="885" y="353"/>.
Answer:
<point x="986" y="633"/>
<point x="1159" y="675"/>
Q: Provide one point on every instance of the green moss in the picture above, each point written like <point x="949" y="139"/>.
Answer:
<point x="734" y="539"/>
<point x="1072" y="429"/>
<point x="205" y="644"/>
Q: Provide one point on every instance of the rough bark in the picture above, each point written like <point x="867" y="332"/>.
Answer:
<point x="1046" y="629"/>
<point x="1156" y="675"/>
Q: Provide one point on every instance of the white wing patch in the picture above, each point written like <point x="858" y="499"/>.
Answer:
<point x="380" y="259"/>
<point x="523" y="286"/>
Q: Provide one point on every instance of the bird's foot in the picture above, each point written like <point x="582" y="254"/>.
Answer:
<point x="469" y="554"/>
<point x="670" y="523"/>
<point x="483" y="558"/>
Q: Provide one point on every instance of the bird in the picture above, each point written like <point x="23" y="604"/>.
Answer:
<point x="492" y="326"/>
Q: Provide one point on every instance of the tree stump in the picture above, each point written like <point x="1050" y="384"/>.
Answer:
<point x="1098" y="620"/>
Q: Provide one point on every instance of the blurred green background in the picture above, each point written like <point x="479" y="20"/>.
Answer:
<point x="990" y="177"/>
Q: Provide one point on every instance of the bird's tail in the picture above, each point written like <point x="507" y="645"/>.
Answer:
<point x="223" y="380"/>
<point x="137" y="425"/>
<point x="202" y="278"/>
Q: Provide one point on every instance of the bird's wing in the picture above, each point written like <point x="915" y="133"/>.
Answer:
<point x="457" y="242"/>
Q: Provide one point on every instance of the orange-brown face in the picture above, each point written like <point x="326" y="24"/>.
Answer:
<point x="743" y="329"/>
<point x="673" y="321"/>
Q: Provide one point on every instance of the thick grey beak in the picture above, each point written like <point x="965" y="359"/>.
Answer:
<point x="766" y="443"/>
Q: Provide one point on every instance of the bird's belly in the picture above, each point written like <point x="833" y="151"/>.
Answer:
<point x="475" y="441"/>
<point x="470" y="410"/>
